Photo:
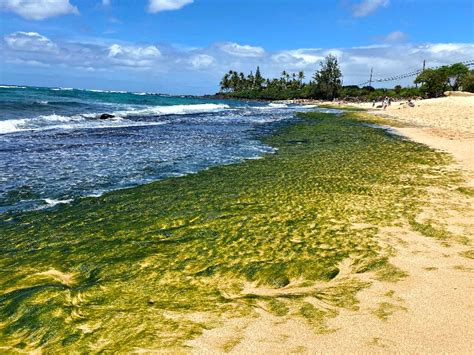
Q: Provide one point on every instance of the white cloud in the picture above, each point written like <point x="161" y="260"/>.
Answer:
<point x="444" y="47"/>
<point x="38" y="9"/>
<point x="366" y="7"/>
<point x="298" y="59"/>
<point x="155" y="6"/>
<point x="396" y="36"/>
<point x="202" y="61"/>
<point x="30" y="42"/>
<point x="33" y="63"/>
<point x="241" y="50"/>
<point x="133" y="55"/>
<point x="193" y="65"/>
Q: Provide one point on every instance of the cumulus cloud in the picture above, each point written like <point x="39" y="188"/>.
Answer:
<point x="394" y="37"/>
<point x="133" y="55"/>
<point x="241" y="50"/>
<point x="299" y="58"/>
<point x="367" y="7"/>
<point x="30" y="42"/>
<point x="155" y="6"/>
<point x="38" y="9"/>
<point x="201" y="61"/>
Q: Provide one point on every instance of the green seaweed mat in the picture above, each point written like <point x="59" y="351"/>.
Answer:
<point x="152" y="266"/>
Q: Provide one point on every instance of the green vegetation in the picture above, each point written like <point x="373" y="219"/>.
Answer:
<point x="326" y="84"/>
<point x="467" y="82"/>
<point x="436" y="81"/>
<point x="111" y="273"/>
<point x="328" y="79"/>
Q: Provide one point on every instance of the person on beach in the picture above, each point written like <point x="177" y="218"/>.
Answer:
<point x="385" y="103"/>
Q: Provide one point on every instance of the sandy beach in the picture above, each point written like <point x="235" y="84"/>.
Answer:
<point x="445" y="123"/>
<point x="429" y="311"/>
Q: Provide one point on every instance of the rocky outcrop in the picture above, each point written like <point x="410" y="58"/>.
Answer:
<point x="106" y="116"/>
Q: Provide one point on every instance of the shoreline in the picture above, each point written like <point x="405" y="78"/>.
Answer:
<point x="420" y="318"/>
<point x="191" y="256"/>
<point x="445" y="123"/>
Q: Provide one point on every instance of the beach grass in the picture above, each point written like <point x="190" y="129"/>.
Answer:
<point x="153" y="266"/>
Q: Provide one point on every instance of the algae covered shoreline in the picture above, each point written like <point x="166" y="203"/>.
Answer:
<point x="153" y="266"/>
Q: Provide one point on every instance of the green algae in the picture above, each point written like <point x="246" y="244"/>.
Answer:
<point x="469" y="191"/>
<point x="429" y="228"/>
<point x="342" y="107"/>
<point x="317" y="317"/>
<point x="103" y="273"/>
<point x="232" y="343"/>
<point x="386" y="309"/>
<point x="468" y="254"/>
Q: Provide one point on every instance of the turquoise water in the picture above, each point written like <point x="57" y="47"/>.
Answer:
<point x="54" y="148"/>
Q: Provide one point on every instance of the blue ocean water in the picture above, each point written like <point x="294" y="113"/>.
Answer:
<point x="54" y="148"/>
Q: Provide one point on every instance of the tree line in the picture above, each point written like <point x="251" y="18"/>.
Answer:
<point x="327" y="84"/>
<point x="324" y="84"/>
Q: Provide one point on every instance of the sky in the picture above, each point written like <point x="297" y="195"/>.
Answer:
<point x="185" y="46"/>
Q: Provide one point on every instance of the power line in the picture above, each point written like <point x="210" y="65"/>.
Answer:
<point x="467" y="63"/>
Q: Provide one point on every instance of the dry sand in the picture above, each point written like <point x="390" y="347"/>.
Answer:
<point x="431" y="310"/>
<point x="445" y="123"/>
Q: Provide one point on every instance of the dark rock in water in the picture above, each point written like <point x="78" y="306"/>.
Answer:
<point x="106" y="116"/>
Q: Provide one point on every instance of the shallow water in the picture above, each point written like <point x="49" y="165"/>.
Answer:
<point x="54" y="148"/>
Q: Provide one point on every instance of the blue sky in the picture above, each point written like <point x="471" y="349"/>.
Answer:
<point x="185" y="46"/>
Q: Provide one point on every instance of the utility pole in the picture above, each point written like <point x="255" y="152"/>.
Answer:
<point x="370" y="80"/>
<point x="424" y="66"/>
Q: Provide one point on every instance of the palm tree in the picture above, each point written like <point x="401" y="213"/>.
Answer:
<point x="225" y="82"/>
<point x="301" y="76"/>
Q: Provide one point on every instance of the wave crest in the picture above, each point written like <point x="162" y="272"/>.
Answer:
<point x="172" y="110"/>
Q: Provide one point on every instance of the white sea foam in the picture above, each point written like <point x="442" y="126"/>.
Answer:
<point x="85" y="121"/>
<point x="89" y="120"/>
<point x="272" y="106"/>
<point x="276" y="105"/>
<point x="12" y="87"/>
<point x="106" y="91"/>
<point x="10" y="126"/>
<point x="172" y="110"/>
<point x="52" y="202"/>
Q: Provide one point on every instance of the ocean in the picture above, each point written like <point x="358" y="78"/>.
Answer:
<point x="54" y="148"/>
